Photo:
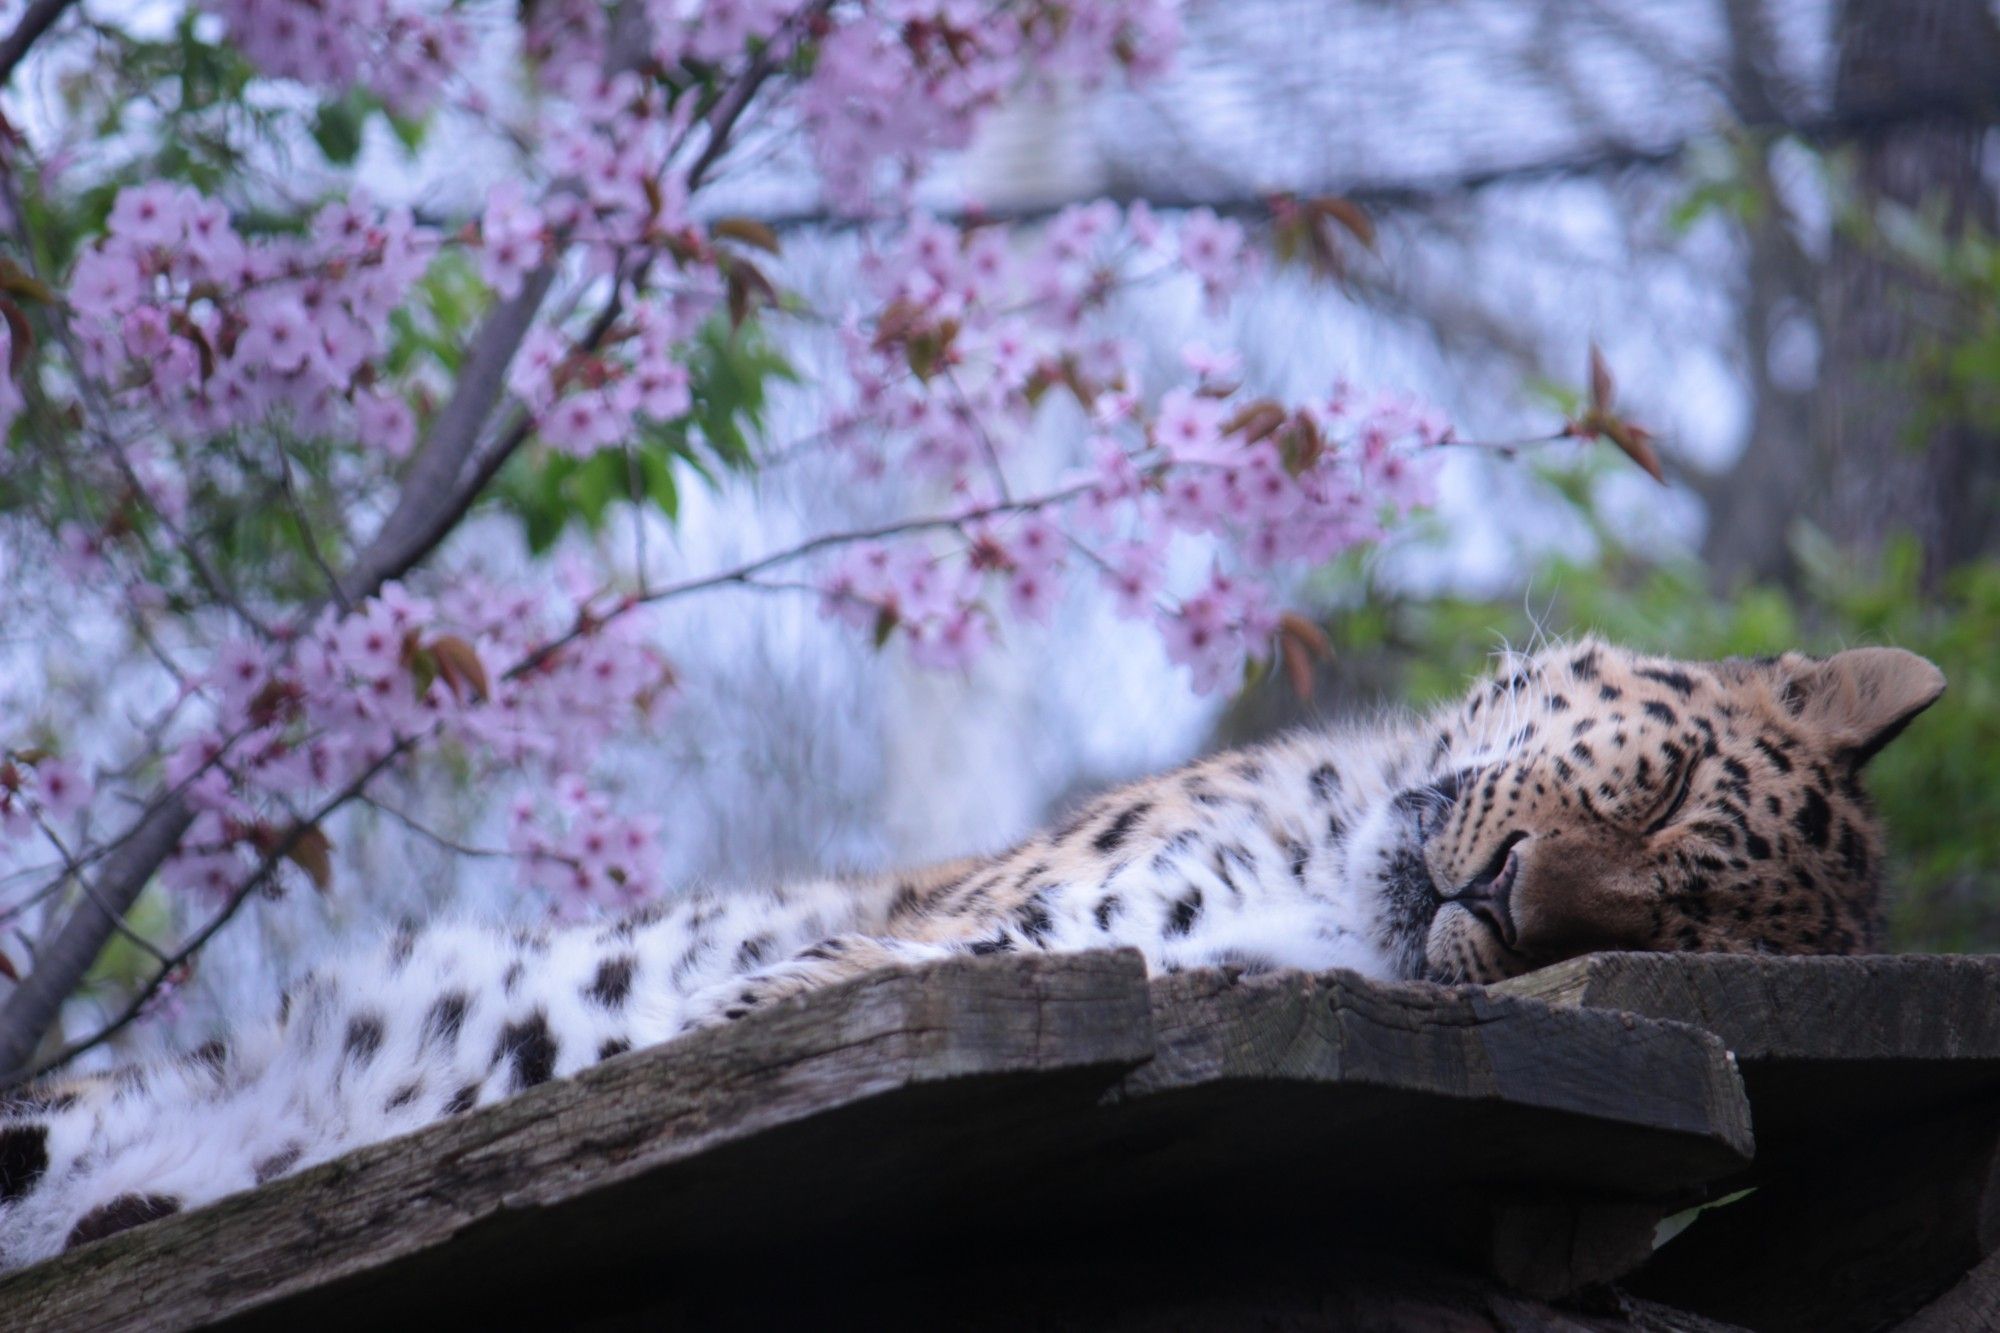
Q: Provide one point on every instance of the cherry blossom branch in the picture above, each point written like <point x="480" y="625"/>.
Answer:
<point x="452" y="845"/>
<point x="745" y="573"/>
<point x="98" y="423"/>
<point x="1509" y="449"/>
<point x="424" y="514"/>
<point x="266" y="867"/>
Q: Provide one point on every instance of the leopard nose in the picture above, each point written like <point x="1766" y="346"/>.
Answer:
<point x="1490" y="896"/>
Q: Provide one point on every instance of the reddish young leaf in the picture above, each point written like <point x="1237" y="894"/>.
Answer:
<point x="1602" y="387"/>
<point x="459" y="667"/>
<point x="23" y="337"/>
<point x="1636" y="442"/>
<point x="312" y="852"/>
<point x="1301" y="643"/>
<point x="749" y="231"/>
<point x="746" y="289"/>
<point x="17" y="281"/>
<point x="1253" y="421"/>
<point x="1349" y="215"/>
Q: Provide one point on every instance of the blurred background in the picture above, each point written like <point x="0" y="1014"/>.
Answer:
<point x="1776" y="217"/>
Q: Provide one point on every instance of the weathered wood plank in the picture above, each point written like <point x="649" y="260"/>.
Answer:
<point x="1498" y="1131"/>
<point x="1668" y="1085"/>
<point x="1016" y="1105"/>
<point x="1827" y="1046"/>
<point x="982" y="1032"/>
<point x="1874" y="1086"/>
<point x="1904" y="1007"/>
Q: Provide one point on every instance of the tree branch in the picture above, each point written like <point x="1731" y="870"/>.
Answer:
<point x="745" y="573"/>
<point x="33" y="24"/>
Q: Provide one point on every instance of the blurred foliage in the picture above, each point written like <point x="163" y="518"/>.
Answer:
<point x="1959" y="361"/>
<point x="1935" y="786"/>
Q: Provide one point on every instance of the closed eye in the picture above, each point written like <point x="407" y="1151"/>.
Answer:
<point x="1680" y="799"/>
<point x="1439" y="796"/>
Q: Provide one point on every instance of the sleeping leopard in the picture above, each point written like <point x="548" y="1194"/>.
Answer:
<point x="1582" y="798"/>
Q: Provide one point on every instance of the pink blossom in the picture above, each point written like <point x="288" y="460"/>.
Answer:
<point x="1212" y="250"/>
<point x="1134" y="572"/>
<point x="106" y="282"/>
<point x="239" y="671"/>
<point x="386" y="422"/>
<point x="62" y="788"/>
<point x="370" y="645"/>
<point x="278" y="335"/>
<point x="511" y="244"/>
<point x="1189" y="427"/>
<point x="153" y="214"/>
<point x="1208" y="363"/>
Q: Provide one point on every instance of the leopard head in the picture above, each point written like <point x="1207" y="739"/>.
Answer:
<point x="1592" y="798"/>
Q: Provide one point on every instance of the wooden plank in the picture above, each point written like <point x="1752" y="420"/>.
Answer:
<point x="1025" y="1106"/>
<point x="1907" y="1007"/>
<point x="1874" y="1085"/>
<point x="1664" y="1095"/>
<point x="1498" y="1131"/>
<point x="1828" y="1047"/>
<point x="981" y="1031"/>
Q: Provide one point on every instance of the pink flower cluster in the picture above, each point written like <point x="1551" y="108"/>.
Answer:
<point x="581" y="852"/>
<point x="975" y="329"/>
<point x="892" y="82"/>
<point x="583" y="401"/>
<point x="41" y="788"/>
<point x="208" y="332"/>
<point x="469" y="670"/>
<point x="903" y="79"/>
<point x="1191" y="497"/>
<point x="401" y="53"/>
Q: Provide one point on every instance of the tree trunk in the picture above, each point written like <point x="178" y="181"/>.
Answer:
<point x="1880" y="470"/>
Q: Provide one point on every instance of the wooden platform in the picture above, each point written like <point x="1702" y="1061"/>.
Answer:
<point x="1057" y="1142"/>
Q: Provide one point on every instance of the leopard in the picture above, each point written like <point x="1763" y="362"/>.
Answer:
<point x="1579" y="797"/>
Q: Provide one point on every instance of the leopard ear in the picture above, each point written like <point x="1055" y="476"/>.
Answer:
<point x="1861" y="699"/>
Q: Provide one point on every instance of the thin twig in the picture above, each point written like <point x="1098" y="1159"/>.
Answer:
<point x="979" y="428"/>
<point x="745" y="572"/>
<point x="457" y="848"/>
<point x="298" y="509"/>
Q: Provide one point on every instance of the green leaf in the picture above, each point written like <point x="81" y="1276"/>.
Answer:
<point x="337" y="131"/>
<point x="657" y="474"/>
<point x="409" y="131"/>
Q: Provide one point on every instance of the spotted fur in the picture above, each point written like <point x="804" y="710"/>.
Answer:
<point x="1584" y="798"/>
